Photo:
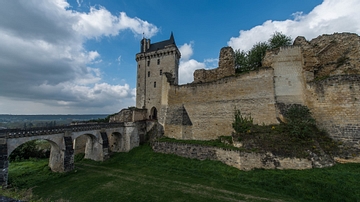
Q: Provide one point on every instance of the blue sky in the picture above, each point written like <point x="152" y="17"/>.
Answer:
<point x="78" y="56"/>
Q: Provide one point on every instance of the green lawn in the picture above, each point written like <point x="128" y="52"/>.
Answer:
<point x="142" y="175"/>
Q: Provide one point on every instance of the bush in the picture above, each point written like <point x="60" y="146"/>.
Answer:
<point x="252" y="60"/>
<point x="299" y="121"/>
<point x="279" y="39"/>
<point x="241" y="124"/>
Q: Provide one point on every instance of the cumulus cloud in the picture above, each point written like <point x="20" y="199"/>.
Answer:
<point x="188" y="66"/>
<point x="329" y="17"/>
<point x="43" y="59"/>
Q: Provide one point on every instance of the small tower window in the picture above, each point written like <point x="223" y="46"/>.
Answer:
<point x="139" y="66"/>
<point x="148" y="73"/>
<point x="160" y="71"/>
<point x="148" y="63"/>
<point x="154" y="84"/>
<point x="158" y="61"/>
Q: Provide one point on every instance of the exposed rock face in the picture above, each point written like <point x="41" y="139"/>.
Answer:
<point x="226" y="67"/>
<point x="329" y="55"/>
<point x="326" y="55"/>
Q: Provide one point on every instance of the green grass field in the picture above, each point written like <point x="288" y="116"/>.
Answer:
<point x="142" y="175"/>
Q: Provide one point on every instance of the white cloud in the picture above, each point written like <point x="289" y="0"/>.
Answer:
<point x="79" y="2"/>
<point x="100" y="22"/>
<point x="329" y="17"/>
<point x="43" y="61"/>
<point x="186" y="51"/>
<point x="187" y="69"/>
<point x="188" y="66"/>
<point x="119" y="60"/>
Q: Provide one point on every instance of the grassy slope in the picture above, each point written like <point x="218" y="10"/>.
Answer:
<point x="142" y="175"/>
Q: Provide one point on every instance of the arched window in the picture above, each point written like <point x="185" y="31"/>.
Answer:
<point x="154" y="84"/>
<point x="148" y="73"/>
<point x="153" y="113"/>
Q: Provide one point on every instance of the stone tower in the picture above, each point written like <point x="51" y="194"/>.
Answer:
<point x="154" y="62"/>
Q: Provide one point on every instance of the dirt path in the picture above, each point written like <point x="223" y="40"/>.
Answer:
<point x="186" y="188"/>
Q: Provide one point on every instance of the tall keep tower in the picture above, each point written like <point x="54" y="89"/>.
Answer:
<point x="153" y="61"/>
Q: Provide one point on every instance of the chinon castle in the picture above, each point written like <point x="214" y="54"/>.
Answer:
<point x="322" y="74"/>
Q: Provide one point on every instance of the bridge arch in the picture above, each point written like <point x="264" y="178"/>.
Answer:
<point x="117" y="142"/>
<point x="90" y="144"/>
<point x="56" y="155"/>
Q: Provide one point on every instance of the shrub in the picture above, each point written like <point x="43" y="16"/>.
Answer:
<point x="279" y="39"/>
<point x="299" y="121"/>
<point x="251" y="60"/>
<point x="241" y="124"/>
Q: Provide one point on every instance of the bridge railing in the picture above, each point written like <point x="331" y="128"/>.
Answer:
<point x="16" y="133"/>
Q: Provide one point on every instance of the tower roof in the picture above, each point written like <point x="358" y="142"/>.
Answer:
<point x="162" y="44"/>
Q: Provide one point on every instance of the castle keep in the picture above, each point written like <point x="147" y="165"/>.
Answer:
<point x="322" y="74"/>
<point x="152" y="62"/>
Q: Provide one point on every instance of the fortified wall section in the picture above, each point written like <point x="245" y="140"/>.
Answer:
<point x="288" y="76"/>
<point x="241" y="160"/>
<point x="226" y="68"/>
<point x="205" y="110"/>
<point x="335" y="104"/>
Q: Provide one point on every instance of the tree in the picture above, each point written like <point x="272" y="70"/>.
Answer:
<point x="241" y="63"/>
<point x="279" y="39"/>
<point x="256" y="54"/>
<point x="251" y="60"/>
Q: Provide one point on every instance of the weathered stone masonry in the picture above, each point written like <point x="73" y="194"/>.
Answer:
<point x="321" y="74"/>
<point x="239" y="159"/>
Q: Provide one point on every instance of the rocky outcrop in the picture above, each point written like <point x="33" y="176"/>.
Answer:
<point x="329" y="55"/>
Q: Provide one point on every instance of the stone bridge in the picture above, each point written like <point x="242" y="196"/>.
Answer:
<point x="101" y="139"/>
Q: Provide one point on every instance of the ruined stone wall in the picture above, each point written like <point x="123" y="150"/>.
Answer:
<point x="129" y="115"/>
<point x="335" y="104"/>
<point x="288" y="74"/>
<point x="226" y="68"/>
<point x="206" y="110"/>
<point x="238" y="159"/>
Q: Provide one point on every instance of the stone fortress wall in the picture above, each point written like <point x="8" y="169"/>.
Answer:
<point x="204" y="109"/>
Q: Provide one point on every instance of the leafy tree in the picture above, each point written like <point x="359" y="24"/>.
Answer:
<point x="251" y="60"/>
<point x="241" y="61"/>
<point x="279" y="39"/>
<point x="256" y="54"/>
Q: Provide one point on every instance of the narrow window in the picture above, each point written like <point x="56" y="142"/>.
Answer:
<point x="148" y="73"/>
<point x="139" y="66"/>
<point x="154" y="84"/>
<point x="148" y="63"/>
<point x="138" y="84"/>
<point x="160" y="71"/>
<point x="158" y="61"/>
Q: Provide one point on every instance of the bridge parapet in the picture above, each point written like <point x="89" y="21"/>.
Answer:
<point x="16" y="133"/>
